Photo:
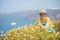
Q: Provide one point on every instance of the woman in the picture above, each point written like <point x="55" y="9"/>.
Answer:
<point x="45" y="21"/>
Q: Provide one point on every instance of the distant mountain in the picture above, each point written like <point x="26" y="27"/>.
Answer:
<point x="32" y="14"/>
<point x="52" y="13"/>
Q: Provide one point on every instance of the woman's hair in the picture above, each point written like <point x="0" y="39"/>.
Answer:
<point x="42" y="13"/>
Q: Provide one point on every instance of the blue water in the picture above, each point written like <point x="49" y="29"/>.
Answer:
<point x="5" y="22"/>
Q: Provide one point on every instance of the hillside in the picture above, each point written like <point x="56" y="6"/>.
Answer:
<point x="32" y="32"/>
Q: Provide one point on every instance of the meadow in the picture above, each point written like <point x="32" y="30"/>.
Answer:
<point x="32" y="32"/>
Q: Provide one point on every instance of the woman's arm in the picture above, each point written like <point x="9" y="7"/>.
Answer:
<point x="48" y="23"/>
<point x="39" y="24"/>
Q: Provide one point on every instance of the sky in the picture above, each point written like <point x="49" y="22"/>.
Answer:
<point x="10" y="6"/>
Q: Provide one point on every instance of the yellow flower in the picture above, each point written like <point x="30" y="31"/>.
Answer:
<point x="32" y="32"/>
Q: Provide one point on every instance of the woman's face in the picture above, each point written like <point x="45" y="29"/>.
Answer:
<point x="43" y="17"/>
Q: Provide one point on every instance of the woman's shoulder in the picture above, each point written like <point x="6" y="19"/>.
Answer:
<point x="48" y="19"/>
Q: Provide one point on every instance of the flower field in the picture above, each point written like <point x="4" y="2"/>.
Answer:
<point x="32" y="32"/>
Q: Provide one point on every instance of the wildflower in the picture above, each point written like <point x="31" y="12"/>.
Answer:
<point x="9" y="34"/>
<point x="31" y="32"/>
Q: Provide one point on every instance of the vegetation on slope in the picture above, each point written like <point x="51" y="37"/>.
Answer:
<point x="32" y="32"/>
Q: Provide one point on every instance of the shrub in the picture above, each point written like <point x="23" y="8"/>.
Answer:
<point x="32" y="32"/>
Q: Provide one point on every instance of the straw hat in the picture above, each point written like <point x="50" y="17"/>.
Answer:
<point x="43" y="11"/>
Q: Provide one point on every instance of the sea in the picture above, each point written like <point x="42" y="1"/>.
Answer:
<point x="9" y="22"/>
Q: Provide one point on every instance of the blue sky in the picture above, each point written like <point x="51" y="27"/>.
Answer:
<point x="9" y="6"/>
